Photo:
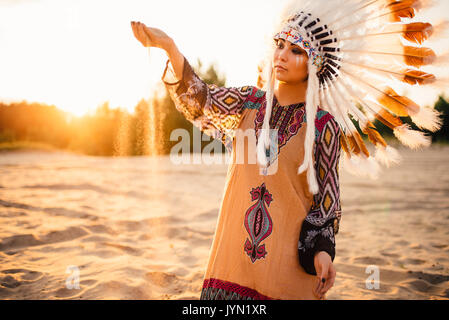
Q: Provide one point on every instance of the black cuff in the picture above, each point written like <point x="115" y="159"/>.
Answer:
<point x="314" y="239"/>
<point x="325" y="244"/>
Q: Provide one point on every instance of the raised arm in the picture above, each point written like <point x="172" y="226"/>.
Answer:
<point x="216" y="111"/>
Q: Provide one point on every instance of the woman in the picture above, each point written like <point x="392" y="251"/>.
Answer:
<point x="339" y="55"/>
<point x="255" y="248"/>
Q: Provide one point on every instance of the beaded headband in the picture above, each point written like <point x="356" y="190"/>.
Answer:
<point x="294" y="36"/>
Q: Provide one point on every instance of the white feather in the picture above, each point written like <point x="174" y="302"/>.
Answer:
<point x="428" y="118"/>
<point x="312" y="100"/>
<point x="388" y="156"/>
<point x="354" y="110"/>
<point x="340" y="109"/>
<point x="361" y="166"/>
<point x="263" y="143"/>
<point x="411" y="138"/>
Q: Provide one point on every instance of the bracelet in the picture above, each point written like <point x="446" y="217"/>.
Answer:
<point x="165" y="72"/>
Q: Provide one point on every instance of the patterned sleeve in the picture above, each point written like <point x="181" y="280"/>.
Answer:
<point x="322" y="222"/>
<point x="216" y="111"/>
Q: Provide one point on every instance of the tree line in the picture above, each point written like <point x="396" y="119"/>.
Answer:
<point x="105" y="132"/>
<point x="118" y="132"/>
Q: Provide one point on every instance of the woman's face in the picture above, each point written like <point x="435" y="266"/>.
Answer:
<point x="290" y="62"/>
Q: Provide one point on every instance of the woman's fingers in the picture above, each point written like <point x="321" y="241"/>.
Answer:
<point x="329" y="282"/>
<point x="319" y="289"/>
<point x="151" y="37"/>
<point x="142" y="35"/>
<point x="321" y="285"/>
<point x="147" y="32"/>
<point x="139" y="33"/>
<point x="323" y="277"/>
<point x="315" y="291"/>
<point x="134" y="27"/>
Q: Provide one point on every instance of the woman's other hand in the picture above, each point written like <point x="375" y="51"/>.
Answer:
<point x="151" y="37"/>
<point x="326" y="273"/>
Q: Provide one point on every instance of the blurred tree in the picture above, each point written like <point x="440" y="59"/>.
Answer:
<point x="442" y="106"/>
<point x="210" y="76"/>
<point x="168" y="118"/>
<point x="142" y="129"/>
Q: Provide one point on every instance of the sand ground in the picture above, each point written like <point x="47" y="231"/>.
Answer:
<point x="141" y="228"/>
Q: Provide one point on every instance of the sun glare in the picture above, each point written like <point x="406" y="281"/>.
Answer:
<point x="78" y="55"/>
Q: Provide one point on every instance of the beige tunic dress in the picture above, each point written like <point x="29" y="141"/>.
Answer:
<point x="269" y="224"/>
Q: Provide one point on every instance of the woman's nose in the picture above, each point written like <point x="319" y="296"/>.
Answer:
<point x="283" y="54"/>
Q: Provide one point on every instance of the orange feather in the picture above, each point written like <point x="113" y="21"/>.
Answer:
<point x="417" y="32"/>
<point x="260" y="79"/>
<point x="361" y="144"/>
<point x="397" y="104"/>
<point x="414" y="77"/>
<point x="344" y="144"/>
<point x="418" y="57"/>
<point x="353" y="145"/>
<point x="373" y="135"/>
<point x="388" y="119"/>
<point x="404" y="9"/>
<point x="397" y="13"/>
<point x="356" y="144"/>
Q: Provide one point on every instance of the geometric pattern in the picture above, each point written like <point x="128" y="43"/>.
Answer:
<point x="258" y="223"/>
<point x="215" y="289"/>
<point x="224" y="106"/>
<point x="216" y="111"/>
<point x="255" y="99"/>
<point x="322" y="222"/>
<point x="326" y="203"/>
<point x="228" y="101"/>
<point x="286" y="119"/>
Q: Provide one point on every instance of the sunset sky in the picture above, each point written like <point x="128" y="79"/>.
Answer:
<point x="79" y="54"/>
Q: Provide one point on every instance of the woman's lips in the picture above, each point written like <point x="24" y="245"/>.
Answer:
<point x="280" y="68"/>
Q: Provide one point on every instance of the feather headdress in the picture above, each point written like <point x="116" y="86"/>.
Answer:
<point x="358" y="50"/>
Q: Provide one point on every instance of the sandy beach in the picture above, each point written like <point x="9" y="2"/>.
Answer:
<point x="141" y="228"/>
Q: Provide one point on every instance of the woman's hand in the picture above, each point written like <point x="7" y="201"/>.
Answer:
<point x="326" y="273"/>
<point x="151" y="37"/>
